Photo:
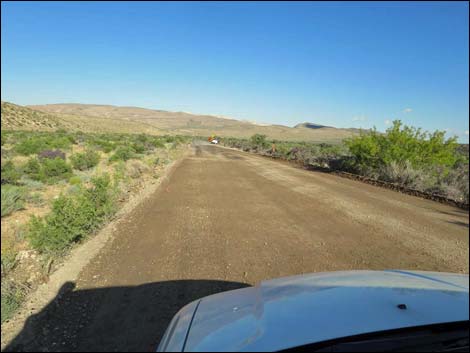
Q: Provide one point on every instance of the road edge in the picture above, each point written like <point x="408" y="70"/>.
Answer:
<point x="366" y="180"/>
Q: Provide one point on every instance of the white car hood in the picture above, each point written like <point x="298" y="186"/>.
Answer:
<point x="295" y="311"/>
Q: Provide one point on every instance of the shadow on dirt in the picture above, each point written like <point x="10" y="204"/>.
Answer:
<point x="111" y="319"/>
<point x="462" y="224"/>
<point x="455" y="213"/>
<point x="233" y="157"/>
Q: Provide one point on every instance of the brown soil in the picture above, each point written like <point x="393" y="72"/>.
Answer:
<point x="228" y="219"/>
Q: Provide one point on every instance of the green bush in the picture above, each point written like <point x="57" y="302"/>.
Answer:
<point x="12" y="199"/>
<point x="32" y="169"/>
<point x="139" y="147"/>
<point x="157" y="143"/>
<point x="61" y="131"/>
<point x="55" y="169"/>
<point x="102" y="195"/>
<point x="169" y="139"/>
<point x="119" y="172"/>
<point x="105" y="145"/>
<point x="123" y="153"/>
<point x="30" y="146"/>
<point x="10" y="174"/>
<point x="35" y="198"/>
<point x="38" y="143"/>
<point x="135" y="169"/>
<point x="12" y="296"/>
<point x="8" y="260"/>
<point x="402" y="144"/>
<point x="259" y="141"/>
<point x="72" y="218"/>
<point x="86" y="160"/>
<point x="146" y="143"/>
<point x="47" y="170"/>
<point x="31" y="184"/>
<point x="75" y="180"/>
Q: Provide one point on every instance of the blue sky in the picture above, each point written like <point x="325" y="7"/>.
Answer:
<point x="341" y="64"/>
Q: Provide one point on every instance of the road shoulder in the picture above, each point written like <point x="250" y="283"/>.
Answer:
<point x="80" y="256"/>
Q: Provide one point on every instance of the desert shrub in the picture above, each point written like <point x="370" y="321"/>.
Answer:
<point x="61" y="131"/>
<point x="119" y="171"/>
<point x="135" y="169"/>
<point x="6" y="153"/>
<point x="123" y="153"/>
<point x="402" y="173"/>
<point x="11" y="297"/>
<point x="102" y="195"/>
<point x="169" y="139"/>
<point x="142" y="138"/>
<point x="105" y="145"/>
<point x="4" y="138"/>
<point x="8" y="260"/>
<point x="143" y="143"/>
<point x="47" y="170"/>
<point x="30" y="146"/>
<point x="36" y="144"/>
<point x="73" y="190"/>
<point x="259" y="141"/>
<point x="31" y="184"/>
<point x="456" y="183"/>
<point x="139" y="147"/>
<point x="420" y="160"/>
<point x="32" y="169"/>
<point x="86" y="160"/>
<point x="72" y="218"/>
<point x="35" y="198"/>
<point x="55" y="169"/>
<point x="156" y="143"/>
<point x="437" y="179"/>
<point x="402" y="144"/>
<point x="10" y="173"/>
<point x="51" y="154"/>
<point x="75" y="180"/>
<point x="12" y="199"/>
<point x="81" y="137"/>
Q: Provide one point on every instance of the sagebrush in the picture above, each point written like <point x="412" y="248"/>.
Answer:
<point x="72" y="218"/>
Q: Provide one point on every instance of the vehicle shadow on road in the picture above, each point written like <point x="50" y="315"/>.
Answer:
<point x="130" y="318"/>
<point x="462" y="224"/>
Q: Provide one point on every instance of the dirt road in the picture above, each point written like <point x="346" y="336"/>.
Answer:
<point x="228" y="219"/>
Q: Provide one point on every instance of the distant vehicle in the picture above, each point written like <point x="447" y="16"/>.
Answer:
<point x="338" y="311"/>
<point x="213" y="139"/>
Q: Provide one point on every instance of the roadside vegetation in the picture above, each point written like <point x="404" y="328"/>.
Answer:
<point x="60" y="187"/>
<point x="403" y="155"/>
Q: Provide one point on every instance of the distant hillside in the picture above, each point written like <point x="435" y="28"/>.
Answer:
<point x="18" y="117"/>
<point x="108" y="118"/>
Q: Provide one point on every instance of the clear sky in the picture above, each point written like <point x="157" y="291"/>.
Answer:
<point x="340" y="64"/>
